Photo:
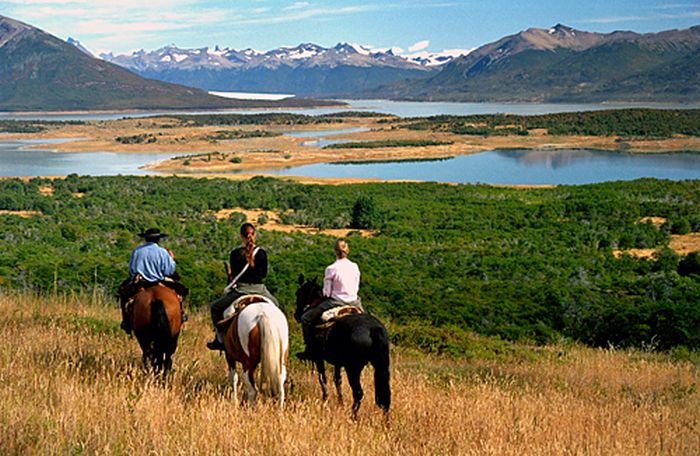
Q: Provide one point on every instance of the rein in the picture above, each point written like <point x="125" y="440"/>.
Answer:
<point x="314" y="303"/>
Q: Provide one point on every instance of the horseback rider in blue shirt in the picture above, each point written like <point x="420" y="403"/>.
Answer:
<point x="149" y="265"/>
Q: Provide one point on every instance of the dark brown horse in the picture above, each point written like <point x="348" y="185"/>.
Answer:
<point x="156" y="319"/>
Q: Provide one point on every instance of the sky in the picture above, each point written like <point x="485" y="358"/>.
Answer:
<point x="123" y="26"/>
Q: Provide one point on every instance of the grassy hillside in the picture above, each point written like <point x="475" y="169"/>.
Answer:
<point x="72" y="383"/>
<point x="520" y="264"/>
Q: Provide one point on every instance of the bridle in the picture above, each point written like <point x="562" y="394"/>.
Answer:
<point x="313" y="303"/>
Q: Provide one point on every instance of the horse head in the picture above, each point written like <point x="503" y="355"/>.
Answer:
<point x="308" y="292"/>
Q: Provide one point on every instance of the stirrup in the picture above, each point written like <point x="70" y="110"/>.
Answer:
<point x="215" y="345"/>
<point x="125" y="327"/>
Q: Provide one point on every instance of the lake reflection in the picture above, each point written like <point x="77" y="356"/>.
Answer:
<point x="535" y="167"/>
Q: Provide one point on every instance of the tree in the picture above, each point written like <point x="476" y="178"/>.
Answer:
<point x="689" y="265"/>
<point x="364" y="213"/>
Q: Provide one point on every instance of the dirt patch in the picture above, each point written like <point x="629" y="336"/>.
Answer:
<point x="656" y="221"/>
<point x="682" y="244"/>
<point x="272" y="223"/>
<point x="46" y="190"/>
<point x="23" y="214"/>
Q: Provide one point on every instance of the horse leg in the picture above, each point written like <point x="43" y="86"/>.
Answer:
<point x="249" y="380"/>
<point x="233" y="379"/>
<point x="321" y="368"/>
<point x="337" y="379"/>
<point x="353" y="373"/>
<point x="156" y="360"/>
<point x="167" y="364"/>
<point x="283" y="377"/>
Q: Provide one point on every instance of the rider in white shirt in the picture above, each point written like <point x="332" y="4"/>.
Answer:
<point x="341" y="283"/>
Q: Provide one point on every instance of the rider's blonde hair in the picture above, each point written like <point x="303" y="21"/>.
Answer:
<point x="341" y="248"/>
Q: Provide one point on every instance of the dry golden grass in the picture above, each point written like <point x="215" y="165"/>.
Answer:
<point x="71" y="382"/>
<point x="23" y="214"/>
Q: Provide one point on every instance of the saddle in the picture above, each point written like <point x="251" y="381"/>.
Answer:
<point x="331" y="316"/>
<point x="236" y="306"/>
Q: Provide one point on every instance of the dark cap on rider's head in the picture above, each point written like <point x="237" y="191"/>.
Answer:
<point x="152" y="234"/>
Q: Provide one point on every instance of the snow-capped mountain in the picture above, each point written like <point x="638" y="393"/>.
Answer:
<point x="305" y="54"/>
<point x="435" y="59"/>
<point x="562" y="64"/>
<point x="306" y="69"/>
<point x="80" y="46"/>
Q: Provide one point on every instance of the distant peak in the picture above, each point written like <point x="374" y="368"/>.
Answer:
<point x="561" y="28"/>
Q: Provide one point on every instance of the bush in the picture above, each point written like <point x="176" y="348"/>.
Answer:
<point x="690" y="265"/>
<point x="364" y="214"/>
<point x="681" y="226"/>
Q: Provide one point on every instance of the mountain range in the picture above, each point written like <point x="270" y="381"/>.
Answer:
<point x="562" y="64"/>
<point x="39" y="72"/>
<point x="307" y="69"/>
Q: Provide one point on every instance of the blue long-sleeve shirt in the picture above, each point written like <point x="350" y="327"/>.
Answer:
<point x="152" y="261"/>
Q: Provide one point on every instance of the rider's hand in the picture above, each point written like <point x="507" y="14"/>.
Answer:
<point x="172" y="255"/>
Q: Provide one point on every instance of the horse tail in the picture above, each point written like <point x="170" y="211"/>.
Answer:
<point x="160" y="325"/>
<point x="380" y="362"/>
<point x="270" y="355"/>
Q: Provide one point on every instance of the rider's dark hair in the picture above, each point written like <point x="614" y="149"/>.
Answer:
<point x="248" y="235"/>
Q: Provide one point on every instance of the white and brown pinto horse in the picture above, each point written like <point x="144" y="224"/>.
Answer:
<point x="257" y="334"/>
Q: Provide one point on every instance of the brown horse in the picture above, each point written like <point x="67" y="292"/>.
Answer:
<point x="156" y="318"/>
<point x="258" y="334"/>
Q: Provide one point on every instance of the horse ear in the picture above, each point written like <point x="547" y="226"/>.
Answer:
<point x="301" y="279"/>
<point x="315" y="279"/>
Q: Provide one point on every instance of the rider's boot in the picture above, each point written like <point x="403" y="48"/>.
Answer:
<point x="217" y="343"/>
<point x="126" y="324"/>
<point x="308" y="353"/>
<point x="182" y="311"/>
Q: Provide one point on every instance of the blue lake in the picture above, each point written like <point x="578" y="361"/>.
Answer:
<point x="17" y="160"/>
<point x="399" y="108"/>
<point x="492" y="167"/>
<point x="534" y="167"/>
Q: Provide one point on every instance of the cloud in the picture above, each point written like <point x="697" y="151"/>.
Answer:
<point x="297" y="5"/>
<point x="674" y="6"/>
<point x="419" y="46"/>
<point x="652" y="17"/>
<point x="118" y="25"/>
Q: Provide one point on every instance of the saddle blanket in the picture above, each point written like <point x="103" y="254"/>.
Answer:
<point x="243" y="301"/>
<point x="339" y="312"/>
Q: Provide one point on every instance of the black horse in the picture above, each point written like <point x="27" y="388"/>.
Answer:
<point x="351" y="343"/>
